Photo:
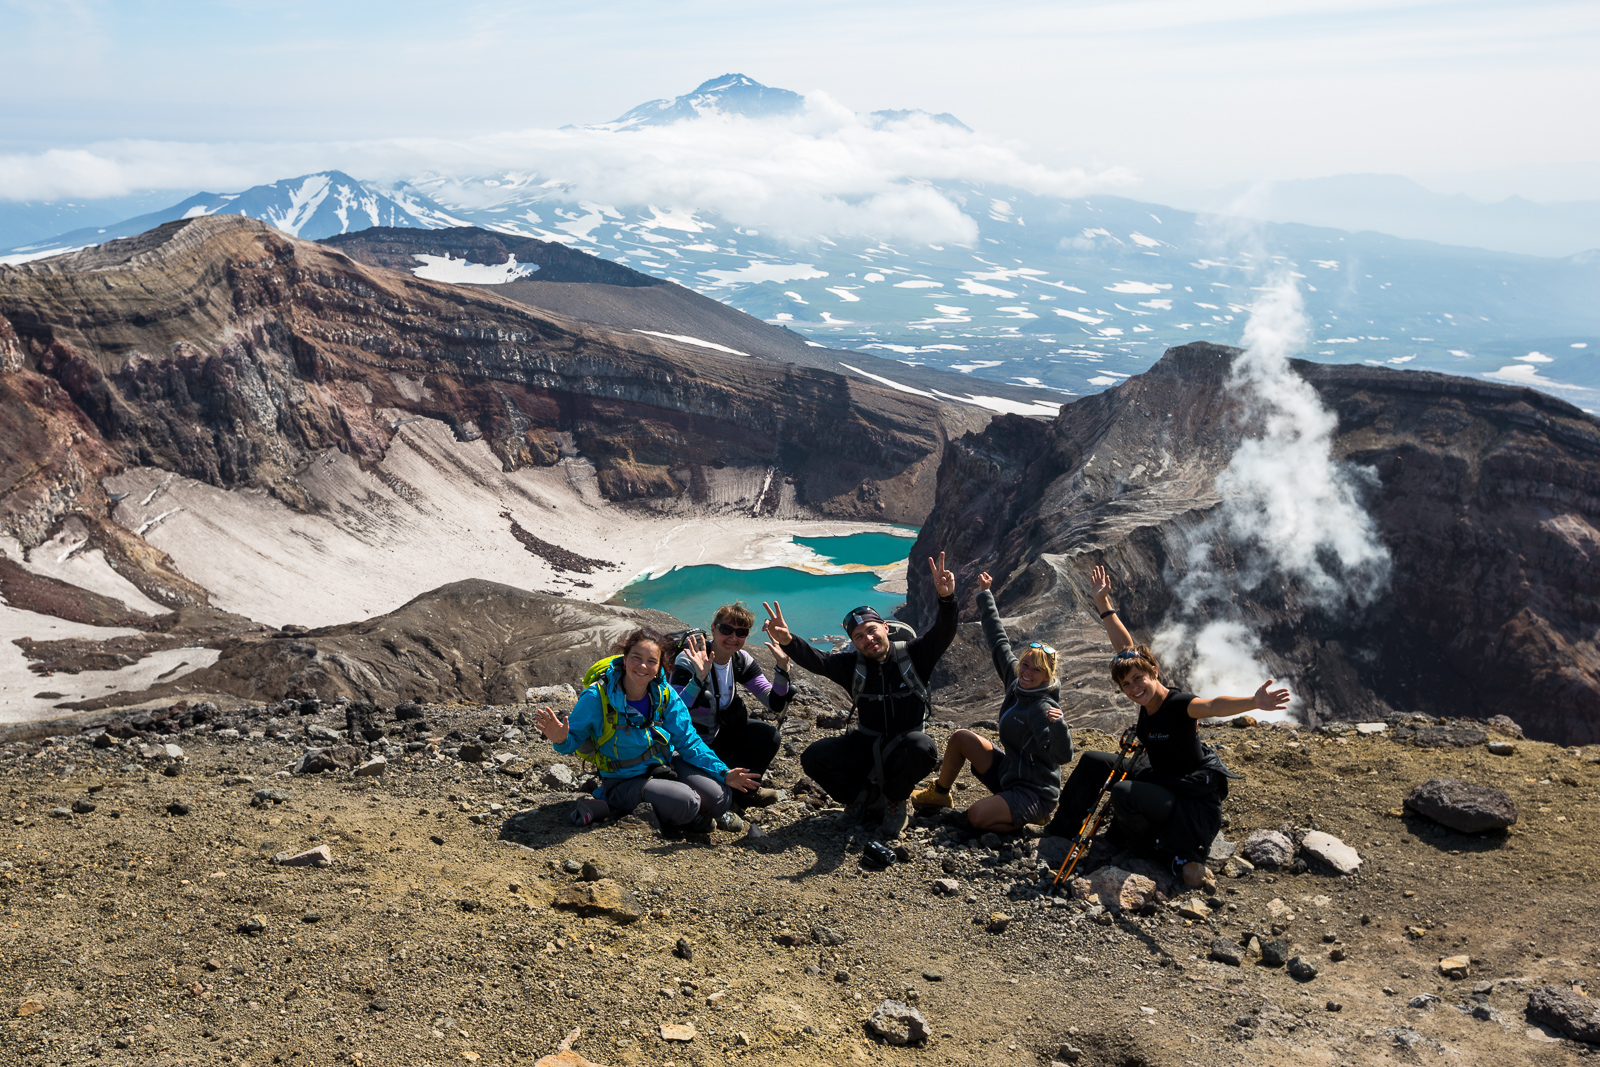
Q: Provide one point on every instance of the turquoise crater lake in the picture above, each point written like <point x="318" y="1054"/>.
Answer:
<point x="813" y="603"/>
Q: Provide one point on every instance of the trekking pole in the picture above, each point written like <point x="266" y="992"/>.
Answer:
<point x="1081" y="844"/>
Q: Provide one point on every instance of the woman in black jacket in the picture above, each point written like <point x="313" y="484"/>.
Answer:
<point x="1025" y="774"/>
<point x="1171" y="804"/>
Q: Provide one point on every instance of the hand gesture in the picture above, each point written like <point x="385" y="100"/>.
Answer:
<point x="779" y="655"/>
<point x="1053" y="714"/>
<point x="742" y="780"/>
<point x="984" y="581"/>
<point x="1271" y="700"/>
<point x="944" y="582"/>
<point x="775" y="627"/>
<point x="695" y="649"/>
<point x="1102" y="584"/>
<point x="552" y="724"/>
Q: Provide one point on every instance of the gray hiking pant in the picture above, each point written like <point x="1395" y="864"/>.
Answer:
<point x="675" y="802"/>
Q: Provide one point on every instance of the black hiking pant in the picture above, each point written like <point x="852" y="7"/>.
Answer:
<point x="843" y="765"/>
<point x="747" y="743"/>
<point x="1147" y="812"/>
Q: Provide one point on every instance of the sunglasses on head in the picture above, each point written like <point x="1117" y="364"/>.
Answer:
<point x="732" y="631"/>
<point x="1042" y="647"/>
<point x="1127" y="653"/>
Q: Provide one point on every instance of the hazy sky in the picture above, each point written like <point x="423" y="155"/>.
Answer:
<point x="1179" y="93"/>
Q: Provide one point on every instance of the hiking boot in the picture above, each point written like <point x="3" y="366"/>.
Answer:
<point x="932" y="797"/>
<point x="700" y="824"/>
<point x="867" y="808"/>
<point x="731" y="823"/>
<point x="894" y="821"/>
<point x="756" y="798"/>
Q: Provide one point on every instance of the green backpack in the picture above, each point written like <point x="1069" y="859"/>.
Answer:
<point x="660" y="750"/>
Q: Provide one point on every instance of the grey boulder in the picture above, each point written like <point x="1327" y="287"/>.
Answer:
<point x="1463" y="806"/>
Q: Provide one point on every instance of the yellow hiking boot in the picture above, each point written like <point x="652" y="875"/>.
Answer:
<point x="932" y="797"/>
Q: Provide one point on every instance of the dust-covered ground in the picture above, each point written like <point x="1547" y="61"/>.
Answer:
<point x="142" y="933"/>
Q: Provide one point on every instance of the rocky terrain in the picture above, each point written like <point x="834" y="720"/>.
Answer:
<point x="1486" y="496"/>
<point x="308" y="882"/>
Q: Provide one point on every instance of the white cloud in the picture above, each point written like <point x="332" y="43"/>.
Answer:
<point x="820" y="171"/>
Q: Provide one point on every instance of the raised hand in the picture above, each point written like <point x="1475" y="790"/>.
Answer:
<point x="695" y="649"/>
<point x="552" y="724"/>
<point x="984" y="581"/>
<point x="775" y="627"/>
<point x="944" y="582"/>
<point x="1102" y="583"/>
<point x="742" y="780"/>
<point x="1053" y="714"/>
<point x="779" y="655"/>
<point x="1271" y="700"/>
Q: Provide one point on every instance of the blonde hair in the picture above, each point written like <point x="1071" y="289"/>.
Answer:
<point x="1040" y="659"/>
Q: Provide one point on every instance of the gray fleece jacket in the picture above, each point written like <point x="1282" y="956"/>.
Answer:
<point x="1035" y="747"/>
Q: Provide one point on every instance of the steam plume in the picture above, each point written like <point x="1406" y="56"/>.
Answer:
<point x="1290" y="516"/>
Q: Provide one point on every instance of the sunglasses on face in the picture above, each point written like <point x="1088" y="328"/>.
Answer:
<point x="732" y="631"/>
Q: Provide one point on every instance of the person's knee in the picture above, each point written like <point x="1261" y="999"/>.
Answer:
<point x="919" y="747"/>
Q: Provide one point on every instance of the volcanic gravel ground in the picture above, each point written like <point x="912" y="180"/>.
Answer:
<point x="133" y="935"/>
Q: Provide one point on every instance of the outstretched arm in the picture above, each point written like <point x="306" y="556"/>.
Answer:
<point x="994" y="632"/>
<point x="1120" y="637"/>
<point x="1264" y="700"/>
<point x="926" y="650"/>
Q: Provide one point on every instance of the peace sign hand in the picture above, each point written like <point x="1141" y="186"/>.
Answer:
<point x="944" y="582"/>
<point x="775" y="627"/>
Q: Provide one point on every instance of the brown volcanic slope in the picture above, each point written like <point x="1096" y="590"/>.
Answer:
<point x="581" y="286"/>
<point x="224" y="351"/>
<point x="1488" y="498"/>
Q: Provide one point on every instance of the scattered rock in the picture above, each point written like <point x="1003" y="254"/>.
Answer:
<point x="827" y="935"/>
<point x="1267" y="848"/>
<point x="177" y="807"/>
<point x="1368" y="729"/>
<point x="372" y="768"/>
<point x="946" y="886"/>
<point x="1194" y="909"/>
<point x="1274" y="953"/>
<point x="683" y="950"/>
<point x="790" y="939"/>
<point x="254" y="926"/>
<point x="932" y="976"/>
<point x="322" y="760"/>
<point x="1505" y="726"/>
<point x="678" y="1032"/>
<point x="1463" y="806"/>
<point x="1331" y="851"/>
<point x="590" y="871"/>
<point x="544" y="694"/>
<point x="313" y="857"/>
<point x="1117" y="888"/>
<point x="1334" y="1005"/>
<point x="560" y="777"/>
<point x="1302" y="969"/>
<point x="1455" y="967"/>
<point x="470" y="753"/>
<point x="898" y="1024"/>
<point x="1237" y="867"/>
<point x="29" y="1007"/>
<point x="1225" y="951"/>
<point x="83" y="807"/>
<point x="1502" y="748"/>
<point x="263" y="797"/>
<point x="998" y="921"/>
<point x="604" y="897"/>
<point x="1422" y="1001"/>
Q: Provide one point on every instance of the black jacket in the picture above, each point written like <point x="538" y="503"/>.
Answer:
<point x="1035" y="747"/>
<point x="904" y="710"/>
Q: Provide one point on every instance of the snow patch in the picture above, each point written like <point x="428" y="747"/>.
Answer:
<point x="447" y="268"/>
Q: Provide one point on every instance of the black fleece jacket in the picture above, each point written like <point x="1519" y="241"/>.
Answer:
<point x="903" y="710"/>
<point x="1035" y="746"/>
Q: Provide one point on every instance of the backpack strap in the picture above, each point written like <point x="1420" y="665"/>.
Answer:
<point x="902" y="661"/>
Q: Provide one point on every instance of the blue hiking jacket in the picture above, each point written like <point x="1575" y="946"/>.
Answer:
<point x="632" y="740"/>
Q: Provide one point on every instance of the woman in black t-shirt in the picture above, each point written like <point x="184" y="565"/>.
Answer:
<point x="1172" y="802"/>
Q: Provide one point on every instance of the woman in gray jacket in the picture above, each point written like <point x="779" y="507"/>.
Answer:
<point x="1025" y="773"/>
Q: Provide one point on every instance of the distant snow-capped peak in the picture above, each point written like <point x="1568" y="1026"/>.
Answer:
<point x="731" y="94"/>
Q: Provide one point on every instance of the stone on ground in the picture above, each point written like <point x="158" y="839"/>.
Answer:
<point x="1267" y="848"/>
<point x="1331" y="851"/>
<point x="1226" y="951"/>
<point x="1569" y="1012"/>
<point x="898" y="1024"/>
<point x="1463" y="806"/>
<point x="1455" y="967"/>
<point x="678" y="1032"/>
<point x="311" y="857"/>
<point x="605" y="898"/>
<point x="1116" y="888"/>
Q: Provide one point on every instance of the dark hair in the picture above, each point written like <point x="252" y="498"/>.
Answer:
<point x="623" y="647"/>
<point x="735" y="614"/>
<point x="1137" y="658"/>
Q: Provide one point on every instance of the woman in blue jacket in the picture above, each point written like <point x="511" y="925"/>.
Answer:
<point x="635" y="729"/>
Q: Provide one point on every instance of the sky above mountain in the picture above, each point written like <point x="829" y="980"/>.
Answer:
<point x="100" y="99"/>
